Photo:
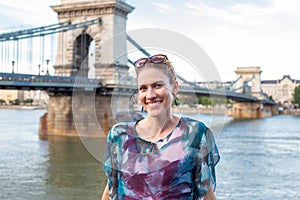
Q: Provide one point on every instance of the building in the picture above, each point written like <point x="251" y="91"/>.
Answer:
<point x="281" y="90"/>
<point x="39" y="97"/>
<point x="10" y="95"/>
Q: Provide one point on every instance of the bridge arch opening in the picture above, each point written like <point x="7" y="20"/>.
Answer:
<point x="82" y="52"/>
<point x="248" y="81"/>
<point x="247" y="89"/>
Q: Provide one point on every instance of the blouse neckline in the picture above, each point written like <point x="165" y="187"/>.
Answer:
<point x="159" y="140"/>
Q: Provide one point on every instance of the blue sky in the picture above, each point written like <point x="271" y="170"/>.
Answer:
<point x="234" y="33"/>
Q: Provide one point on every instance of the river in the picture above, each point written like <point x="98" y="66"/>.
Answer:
<point x="260" y="159"/>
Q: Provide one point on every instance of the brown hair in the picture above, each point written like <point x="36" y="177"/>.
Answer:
<point x="166" y="68"/>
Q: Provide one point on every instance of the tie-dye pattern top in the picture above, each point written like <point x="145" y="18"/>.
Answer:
<point x="178" y="166"/>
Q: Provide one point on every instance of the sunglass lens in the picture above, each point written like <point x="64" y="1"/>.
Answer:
<point x="140" y="63"/>
<point x="158" y="59"/>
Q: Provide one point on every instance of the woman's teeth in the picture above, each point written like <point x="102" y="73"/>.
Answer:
<point x="153" y="104"/>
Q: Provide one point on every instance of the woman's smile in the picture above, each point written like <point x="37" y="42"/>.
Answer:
<point x="153" y="104"/>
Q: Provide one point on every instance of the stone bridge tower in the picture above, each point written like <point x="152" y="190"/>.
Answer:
<point x="249" y="81"/>
<point x="108" y="37"/>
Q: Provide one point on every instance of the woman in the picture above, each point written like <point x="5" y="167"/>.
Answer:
<point x="163" y="156"/>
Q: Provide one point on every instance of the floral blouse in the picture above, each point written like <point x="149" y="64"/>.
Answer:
<point x="179" y="166"/>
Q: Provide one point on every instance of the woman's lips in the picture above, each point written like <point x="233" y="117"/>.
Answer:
<point x="154" y="103"/>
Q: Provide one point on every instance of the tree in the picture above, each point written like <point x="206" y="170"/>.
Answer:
<point x="297" y="95"/>
<point x="28" y="101"/>
<point x="218" y="101"/>
<point x="2" y="102"/>
<point x="15" y="102"/>
<point x="205" y="101"/>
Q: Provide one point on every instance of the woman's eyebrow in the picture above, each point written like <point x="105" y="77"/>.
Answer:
<point x="155" y="82"/>
<point x="158" y="82"/>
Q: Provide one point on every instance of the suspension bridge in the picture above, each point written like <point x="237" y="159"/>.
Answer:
<point x="28" y="81"/>
<point x="59" y="58"/>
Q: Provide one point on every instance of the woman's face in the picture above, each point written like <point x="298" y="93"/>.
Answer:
<point x="155" y="91"/>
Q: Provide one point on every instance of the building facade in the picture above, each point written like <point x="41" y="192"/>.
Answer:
<point x="39" y="97"/>
<point x="281" y="90"/>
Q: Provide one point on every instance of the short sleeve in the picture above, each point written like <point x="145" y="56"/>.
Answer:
<point x="207" y="159"/>
<point x="110" y="168"/>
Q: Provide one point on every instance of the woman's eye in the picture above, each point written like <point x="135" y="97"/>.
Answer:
<point x="142" y="88"/>
<point x="158" y="85"/>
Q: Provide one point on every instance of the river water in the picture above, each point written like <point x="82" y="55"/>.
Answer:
<point x="260" y="159"/>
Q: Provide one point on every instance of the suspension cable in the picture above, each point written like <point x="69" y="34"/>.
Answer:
<point x="46" y="30"/>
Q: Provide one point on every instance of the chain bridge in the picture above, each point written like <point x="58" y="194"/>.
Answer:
<point x="70" y="56"/>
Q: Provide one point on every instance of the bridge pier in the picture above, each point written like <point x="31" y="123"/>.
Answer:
<point x="90" y="115"/>
<point x="252" y="110"/>
<point x="272" y="108"/>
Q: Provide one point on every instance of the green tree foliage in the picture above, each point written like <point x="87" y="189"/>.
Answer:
<point x="28" y="101"/>
<point x="205" y="101"/>
<point x="2" y="102"/>
<point x="297" y="95"/>
<point x="271" y="98"/>
<point x="215" y="101"/>
<point x="15" y="102"/>
<point x="212" y="101"/>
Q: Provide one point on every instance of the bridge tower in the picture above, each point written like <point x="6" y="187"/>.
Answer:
<point x="108" y="36"/>
<point x="73" y="52"/>
<point x="249" y="81"/>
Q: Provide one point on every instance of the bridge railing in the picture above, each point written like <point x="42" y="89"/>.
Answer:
<point x="47" y="78"/>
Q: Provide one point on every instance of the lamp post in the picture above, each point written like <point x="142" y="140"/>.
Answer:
<point x="47" y="62"/>
<point x="39" y="66"/>
<point x="13" y="66"/>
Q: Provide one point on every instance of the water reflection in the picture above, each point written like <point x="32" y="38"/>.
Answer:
<point x="73" y="173"/>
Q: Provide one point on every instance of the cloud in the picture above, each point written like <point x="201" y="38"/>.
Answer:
<point x="239" y="14"/>
<point x="245" y="34"/>
<point x="162" y="8"/>
<point x="288" y="7"/>
<point x="21" y="13"/>
<point x="27" y="5"/>
<point x="247" y="14"/>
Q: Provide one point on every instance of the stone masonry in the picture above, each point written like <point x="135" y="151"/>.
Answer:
<point x="76" y="116"/>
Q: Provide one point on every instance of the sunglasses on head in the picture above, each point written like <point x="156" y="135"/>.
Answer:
<point x="156" y="59"/>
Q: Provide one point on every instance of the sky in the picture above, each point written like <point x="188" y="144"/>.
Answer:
<point x="234" y="33"/>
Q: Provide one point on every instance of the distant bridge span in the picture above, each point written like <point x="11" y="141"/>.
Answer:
<point x="68" y="84"/>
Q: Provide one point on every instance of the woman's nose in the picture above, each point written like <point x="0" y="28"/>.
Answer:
<point x="150" y="94"/>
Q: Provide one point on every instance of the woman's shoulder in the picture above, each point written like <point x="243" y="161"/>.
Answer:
<point x="121" y="128"/>
<point x="194" y="123"/>
<point x="198" y="133"/>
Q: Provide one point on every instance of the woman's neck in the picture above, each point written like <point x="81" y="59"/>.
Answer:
<point x="155" y="128"/>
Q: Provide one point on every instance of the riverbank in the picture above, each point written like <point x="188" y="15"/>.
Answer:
<point x="291" y="112"/>
<point x="204" y="110"/>
<point x="179" y="109"/>
<point x="24" y="107"/>
<point x="296" y="113"/>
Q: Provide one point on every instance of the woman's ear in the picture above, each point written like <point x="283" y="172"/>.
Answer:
<point x="175" y="88"/>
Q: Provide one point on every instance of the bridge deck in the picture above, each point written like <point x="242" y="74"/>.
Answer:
<point x="69" y="84"/>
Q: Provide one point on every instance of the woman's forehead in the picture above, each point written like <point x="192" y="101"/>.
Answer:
<point x="151" y="75"/>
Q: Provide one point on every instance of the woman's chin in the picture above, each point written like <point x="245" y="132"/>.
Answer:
<point x="156" y="112"/>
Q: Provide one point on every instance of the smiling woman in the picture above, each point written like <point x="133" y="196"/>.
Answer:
<point x="162" y="156"/>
